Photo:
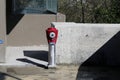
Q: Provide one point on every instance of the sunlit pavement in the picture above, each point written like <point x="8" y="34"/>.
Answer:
<point x="62" y="72"/>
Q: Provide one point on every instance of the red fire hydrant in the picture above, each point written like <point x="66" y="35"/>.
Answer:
<point x="52" y="34"/>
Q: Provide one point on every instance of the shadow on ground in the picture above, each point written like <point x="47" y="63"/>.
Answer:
<point x="98" y="73"/>
<point x="104" y="64"/>
<point x="4" y="75"/>
<point x="32" y="62"/>
<point x="37" y="55"/>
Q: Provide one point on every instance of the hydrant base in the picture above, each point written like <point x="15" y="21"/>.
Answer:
<point x="52" y="66"/>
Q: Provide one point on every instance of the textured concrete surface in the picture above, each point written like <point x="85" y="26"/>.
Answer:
<point x="2" y="31"/>
<point x="77" y="42"/>
<point x="62" y="72"/>
<point x="26" y="56"/>
<point x="31" y="29"/>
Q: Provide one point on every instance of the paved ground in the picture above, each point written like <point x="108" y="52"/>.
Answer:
<point x="62" y="72"/>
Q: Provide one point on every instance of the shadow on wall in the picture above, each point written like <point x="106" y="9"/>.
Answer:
<point x="38" y="55"/>
<point x="103" y="64"/>
<point x="11" y="18"/>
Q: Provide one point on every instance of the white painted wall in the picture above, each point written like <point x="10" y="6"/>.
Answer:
<point x="77" y="42"/>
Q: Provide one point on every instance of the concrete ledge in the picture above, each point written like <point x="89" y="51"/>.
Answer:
<point x="78" y="42"/>
<point x="26" y="56"/>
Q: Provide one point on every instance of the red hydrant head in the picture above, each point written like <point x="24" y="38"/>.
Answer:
<point x="52" y="34"/>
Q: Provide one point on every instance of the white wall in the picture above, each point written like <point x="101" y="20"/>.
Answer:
<point x="77" y="42"/>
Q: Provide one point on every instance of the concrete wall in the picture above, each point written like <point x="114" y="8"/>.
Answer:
<point x="30" y="30"/>
<point x="25" y="32"/>
<point x="96" y="44"/>
<point x="29" y="34"/>
<point x="2" y="31"/>
<point x="78" y="42"/>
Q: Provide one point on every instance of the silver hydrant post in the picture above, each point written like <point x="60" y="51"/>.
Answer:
<point x="52" y="33"/>
<point x="51" y="57"/>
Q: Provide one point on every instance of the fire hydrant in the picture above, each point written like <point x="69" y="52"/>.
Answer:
<point x="52" y="34"/>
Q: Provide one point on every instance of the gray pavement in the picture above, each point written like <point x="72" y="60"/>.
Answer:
<point x="62" y="72"/>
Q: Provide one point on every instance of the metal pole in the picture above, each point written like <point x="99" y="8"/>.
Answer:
<point x="51" y="57"/>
